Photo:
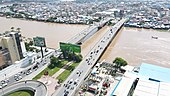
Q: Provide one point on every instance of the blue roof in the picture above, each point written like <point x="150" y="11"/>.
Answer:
<point x="156" y="73"/>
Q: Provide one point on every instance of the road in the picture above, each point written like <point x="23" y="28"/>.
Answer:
<point x="39" y="88"/>
<point x="81" y="72"/>
<point x="41" y="63"/>
<point x="87" y="33"/>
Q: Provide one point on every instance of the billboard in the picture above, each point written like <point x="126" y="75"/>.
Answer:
<point x="70" y="47"/>
<point x="39" y="41"/>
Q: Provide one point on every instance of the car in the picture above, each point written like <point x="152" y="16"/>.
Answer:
<point x="3" y="81"/>
<point x="97" y="51"/>
<point x="35" y="67"/>
<point x="7" y="80"/>
<point x="68" y="86"/>
<point x="29" y="71"/>
<point x="4" y="84"/>
<point x="71" y="80"/>
<point x="66" y="93"/>
<point x="78" y="72"/>
<point x="19" y="77"/>
<point x="37" y="63"/>
<point x="1" y="87"/>
<point x="65" y="85"/>
<point x="75" y="81"/>
<point x="72" y="88"/>
<point x="87" y="60"/>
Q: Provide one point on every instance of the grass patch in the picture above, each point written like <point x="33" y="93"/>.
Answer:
<point x="22" y="93"/>
<point x="63" y="76"/>
<point x="51" y="70"/>
<point x="162" y="30"/>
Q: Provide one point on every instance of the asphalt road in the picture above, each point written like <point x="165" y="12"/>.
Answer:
<point x="81" y="72"/>
<point x="77" y="38"/>
<point x="23" y="73"/>
<point x="37" y="87"/>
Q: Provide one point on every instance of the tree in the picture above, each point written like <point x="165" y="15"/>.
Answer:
<point x="78" y="57"/>
<point x="54" y="62"/>
<point x="119" y="62"/>
<point x="31" y="43"/>
<point x="37" y="50"/>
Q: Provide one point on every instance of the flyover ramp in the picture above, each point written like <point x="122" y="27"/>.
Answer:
<point x="37" y="87"/>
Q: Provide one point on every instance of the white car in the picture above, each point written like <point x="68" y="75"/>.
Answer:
<point x="4" y="84"/>
<point x="18" y="78"/>
<point x="29" y="72"/>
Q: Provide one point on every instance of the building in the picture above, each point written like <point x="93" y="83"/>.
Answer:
<point x="151" y="80"/>
<point x="121" y="90"/>
<point x="5" y="59"/>
<point x="10" y="48"/>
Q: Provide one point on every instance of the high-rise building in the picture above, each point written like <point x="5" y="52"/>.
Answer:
<point x="11" y="43"/>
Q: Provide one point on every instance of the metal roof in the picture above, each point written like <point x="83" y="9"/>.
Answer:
<point x="155" y="72"/>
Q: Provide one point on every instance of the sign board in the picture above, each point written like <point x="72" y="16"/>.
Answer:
<point x="70" y="47"/>
<point x="39" y="41"/>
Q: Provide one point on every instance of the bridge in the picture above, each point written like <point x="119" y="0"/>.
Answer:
<point x="88" y="62"/>
<point x="88" y="32"/>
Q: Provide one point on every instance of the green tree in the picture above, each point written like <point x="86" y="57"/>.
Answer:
<point x="118" y="63"/>
<point x="78" y="57"/>
<point x="31" y="43"/>
<point x="37" y="50"/>
<point x="54" y="62"/>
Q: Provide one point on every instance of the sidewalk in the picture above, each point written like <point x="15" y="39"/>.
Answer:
<point x="52" y="82"/>
<point x="62" y="69"/>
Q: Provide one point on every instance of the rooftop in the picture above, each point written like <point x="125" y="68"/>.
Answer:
<point x="150" y="71"/>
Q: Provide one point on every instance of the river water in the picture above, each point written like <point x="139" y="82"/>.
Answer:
<point x="134" y="45"/>
<point x="137" y="46"/>
<point x="53" y="33"/>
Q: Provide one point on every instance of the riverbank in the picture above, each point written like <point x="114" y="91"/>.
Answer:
<point x="46" y="21"/>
